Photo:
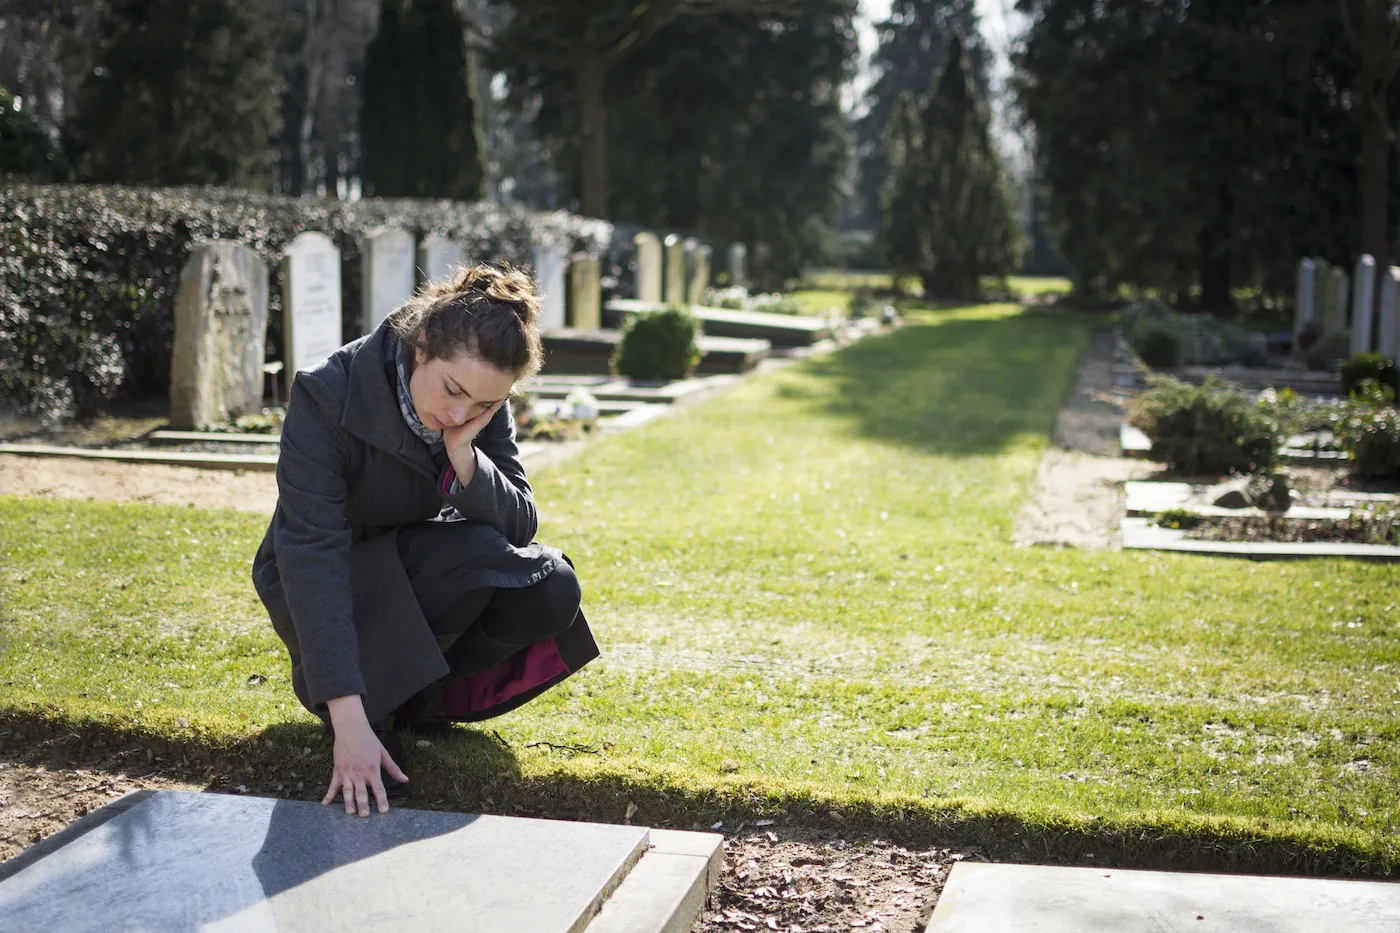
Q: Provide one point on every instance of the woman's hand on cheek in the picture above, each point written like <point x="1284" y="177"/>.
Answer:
<point x="458" y="441"/>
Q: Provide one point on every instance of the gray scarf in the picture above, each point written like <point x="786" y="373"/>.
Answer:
<point x="432" y="438"/>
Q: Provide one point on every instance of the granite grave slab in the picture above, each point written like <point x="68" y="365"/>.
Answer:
<point x="210" y="862"/>
<point x="981" y="898"/>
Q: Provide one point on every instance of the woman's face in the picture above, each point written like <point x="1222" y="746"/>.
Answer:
<point x="450" y="392"/>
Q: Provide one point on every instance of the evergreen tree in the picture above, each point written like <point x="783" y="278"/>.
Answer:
<point x="420" y="136"/>
<point x="954" y="216"/>
<point x="180" y="93"/>
<point x="912" y="49"/>
<point x="903" y="197"/>
<point x="26" y="152"/>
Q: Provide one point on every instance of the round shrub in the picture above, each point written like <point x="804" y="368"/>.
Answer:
<point x="1370" y="432"/>
<point x="1159" y="346"/>
<point x="1363" y="366"/>
<point x="660" y="344"/>
<point x="1212" y="428"/>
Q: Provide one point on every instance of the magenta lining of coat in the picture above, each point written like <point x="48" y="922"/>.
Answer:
<point x="447" y="479"/>
<point x="524" y="670"/>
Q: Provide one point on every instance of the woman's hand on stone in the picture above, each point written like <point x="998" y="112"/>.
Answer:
<point x="358" y="757"/>
<point x="458" y="441"/>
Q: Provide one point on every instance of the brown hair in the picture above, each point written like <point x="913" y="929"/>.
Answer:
<point x="489" y="312"/>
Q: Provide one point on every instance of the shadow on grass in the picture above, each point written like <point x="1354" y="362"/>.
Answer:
<point x="958" y="388"/>
<point x="477" y="771"/>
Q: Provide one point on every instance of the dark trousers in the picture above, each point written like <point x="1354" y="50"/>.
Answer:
<point x="480" y="627"/>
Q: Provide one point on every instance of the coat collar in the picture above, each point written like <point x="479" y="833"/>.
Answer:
<point x="371" y="404"/>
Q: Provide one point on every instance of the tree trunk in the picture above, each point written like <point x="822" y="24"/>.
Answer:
<point x="1373" y="182"/>
<point x="1216" y="258"/>
<point x="589" y="79"/>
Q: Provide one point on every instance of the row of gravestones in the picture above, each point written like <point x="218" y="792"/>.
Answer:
<point x="677" y="272"/>
<point x="221" y="307"/>
<point x="1323" y="307"/>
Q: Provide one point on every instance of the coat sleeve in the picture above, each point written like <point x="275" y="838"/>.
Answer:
<point x="499" y="493"/>
<point x="312" y="540"/>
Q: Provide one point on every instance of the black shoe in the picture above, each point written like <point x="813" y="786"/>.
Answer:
<point x="387" y="737"/>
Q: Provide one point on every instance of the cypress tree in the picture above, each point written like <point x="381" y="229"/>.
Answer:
<point x="961" y="223"/>
<point x="420" y="135"/>
<point x="180" y="93"/>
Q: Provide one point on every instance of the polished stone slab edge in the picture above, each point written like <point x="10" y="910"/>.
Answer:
<point x="1141" y="534"/>
<point x="667" y="890"/>
<point x="72" y="832"/>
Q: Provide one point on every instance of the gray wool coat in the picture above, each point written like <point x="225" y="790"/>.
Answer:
<point x="350" y="473"/>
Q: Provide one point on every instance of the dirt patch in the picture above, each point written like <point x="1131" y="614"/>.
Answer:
<point x="1077" y="499"/>
<point x="823" y="883"/>
<point x="67" y="478"/>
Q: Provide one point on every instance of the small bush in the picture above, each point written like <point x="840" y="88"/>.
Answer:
<point x="1154" y="329"/>
<point x="1370" y="432"/>
<point x="1179" y="519"/>
<point x="1213" y="428"/>
<point x="861" y="304"/>
<point x="1365" y="366"/>
<point x="658" y="345"/>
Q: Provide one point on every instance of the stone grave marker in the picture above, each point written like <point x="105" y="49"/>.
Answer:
<point x="675" y="272"/>
<point x="648" y="267"/>
<point x="219" y="863"/>
<point x="216" y="364"/>
<point x="738" y="264"/>
<point x="1388" y="321"/>
<point x="1322" y="294"/>
<point x="387" y="275"/>
<point x="1363" y="303"/>
<point x="310" y="303"/>
<point x="1305" y="309"/>
<point x="1338" y="287"/>
<point x="551" y="285"/>
<point x="439" y="257"/>
<point x="585" y="293"/>
<point x="699" y="275"/>
<point x="984" y="897"/>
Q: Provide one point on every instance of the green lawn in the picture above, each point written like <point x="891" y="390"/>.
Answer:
<point x="808" y="604"/>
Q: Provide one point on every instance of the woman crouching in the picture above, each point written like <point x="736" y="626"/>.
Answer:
<point x="399" y="568"/>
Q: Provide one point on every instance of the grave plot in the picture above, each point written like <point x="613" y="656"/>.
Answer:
<point x="184" y="861"/>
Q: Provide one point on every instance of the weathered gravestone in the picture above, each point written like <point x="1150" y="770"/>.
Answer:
<point x="738" y="264"/>
<point x="551" y="285"/>
<point x="648" y="267"/>
<point x="675" y="272"/>
<point x="310" y="303"/>
<point x="439" y="257"/>
<point x="216" y="364"/>
<point x="387" y="274"/>
<point x="1388" y="323"/>
<point x="585" y="308"/>
<point x="1322" y="293"/>
<point x="218" y="863"/>
<point x="699" y="274"/>
<point x="1335" y="314"/>
<point x="1363" y="303"/>
<point x="1305" y="311"/>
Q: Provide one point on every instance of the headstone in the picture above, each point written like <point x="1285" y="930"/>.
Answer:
<point x="699" y="275"/>
<point x="1335" y="320"/>
<point x="1363" y="303"/>
<point x="550" y="285"/>
<point x="218" y="863"/>
<point x="1388" y="324"/>
<point x="310" y="303"/>
<point x="1322" y="293"/>
<point x="438" y="258"/>
<point x="648" y="267"/>
<point x="585" y="293"/>
<point x="1306" y="308"/>
<point x="675" y="272"/>
<point x="216" y="365"/>
<point x="388" y="274"/>
<point x="738" y="265"/>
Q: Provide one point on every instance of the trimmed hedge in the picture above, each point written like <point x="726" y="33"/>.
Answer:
<point x="660" y="344"/>
<point x="88" y="274"/>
